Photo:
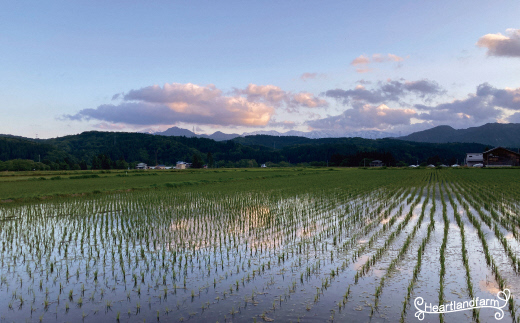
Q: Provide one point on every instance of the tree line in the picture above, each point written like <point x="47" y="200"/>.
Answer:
<point x="116" y="150"/>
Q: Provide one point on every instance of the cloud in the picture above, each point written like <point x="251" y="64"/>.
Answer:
<point x="173" y="103"/>
<point x="190" y="103"/>
<point x="362" y="70"/>
<point x="275" y="96"/>
<point x="310" y="76"/>
<point x="387" y="91"/>
<point x="109" y="126"/>
<point x="506" y="98"/>
<point x="362" y="62"/>
<point x="370" y="111"/>
<point x="501" y="45"/>
<point x="282" y="124"/>
<point x="366" y="117"/>
<point x="487" y="104"/>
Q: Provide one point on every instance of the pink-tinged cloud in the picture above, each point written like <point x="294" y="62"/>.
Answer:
<point x="360" y="60"/>
<point x="275" y="96"/>
<point x="363" y="62"/>
<point x="191" y="103"/>
<point x="311" y="76"/>
<point x="268" y="93"/>
<point x="308" y="100"/>
<point x="364" y="70"/>
<point x="173" y="103"/>
<point x="395" y="58"/>
<point x="501" y="45"/>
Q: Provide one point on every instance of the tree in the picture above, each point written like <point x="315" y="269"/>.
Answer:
<point x="211" y="162"/>
<point x="365" y="162"/>
<point x="83" y="164"/>
<point x="121" y="163"/>
<point x="402" y="163"/>
<point x="96" y="163"/>
<point x="106" y="162"/>
<point x="196" y="161"/>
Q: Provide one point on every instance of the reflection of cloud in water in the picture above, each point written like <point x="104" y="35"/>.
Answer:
<point x="509" y="236"/>
<point x="361" y="261"/>
<point x="385" y="221"/>
<point x="489" y="286"/>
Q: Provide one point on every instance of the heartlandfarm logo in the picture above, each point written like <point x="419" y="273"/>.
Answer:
<point x="425" y="308"/>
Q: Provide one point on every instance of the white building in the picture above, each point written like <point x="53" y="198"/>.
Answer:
<point x="474" y="158"/>
<point x="141" y="166"/>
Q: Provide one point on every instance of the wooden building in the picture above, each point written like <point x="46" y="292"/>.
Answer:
<point x="501" y="157"/>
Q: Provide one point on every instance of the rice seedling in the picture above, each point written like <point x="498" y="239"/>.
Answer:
<point x="231" y="240"/>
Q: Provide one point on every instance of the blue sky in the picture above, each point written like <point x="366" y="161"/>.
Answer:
<point x="69" y="67"/>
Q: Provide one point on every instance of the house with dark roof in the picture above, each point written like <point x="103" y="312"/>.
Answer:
<point x="501" y="157"/>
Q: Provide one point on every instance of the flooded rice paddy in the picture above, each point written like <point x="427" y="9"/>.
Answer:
<point x="319" y="255"/>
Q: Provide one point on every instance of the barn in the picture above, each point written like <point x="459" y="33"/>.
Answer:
<point x="501" y="157"/>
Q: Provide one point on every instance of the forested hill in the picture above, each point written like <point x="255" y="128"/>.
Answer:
<point x="121" y="149"/>
<point x="491" y="134"/>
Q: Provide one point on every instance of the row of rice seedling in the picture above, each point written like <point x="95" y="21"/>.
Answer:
<point x="502" y="284"/>
<point x="229" y="250"/>
<point x="420" y="251"/>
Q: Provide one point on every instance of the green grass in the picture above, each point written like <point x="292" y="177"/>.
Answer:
<point x="32" y="185"/>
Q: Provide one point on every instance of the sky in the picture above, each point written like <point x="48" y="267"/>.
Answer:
<point x="239" y="66"/>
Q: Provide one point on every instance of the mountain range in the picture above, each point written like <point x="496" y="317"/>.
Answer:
<point x="492" y="134"/>
<point x="317" y="134"/>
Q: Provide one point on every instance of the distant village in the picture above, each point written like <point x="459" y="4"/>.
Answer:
<point x="496" y="157"/>
<point x="179" y="165"/>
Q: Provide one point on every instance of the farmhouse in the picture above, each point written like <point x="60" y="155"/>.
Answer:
<point x="376" y="163"/>
<point x="180" y="165"/>
<point x="474" y="158"/>
<point x="501" y="157"/>
<point x="141" y="166"/>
